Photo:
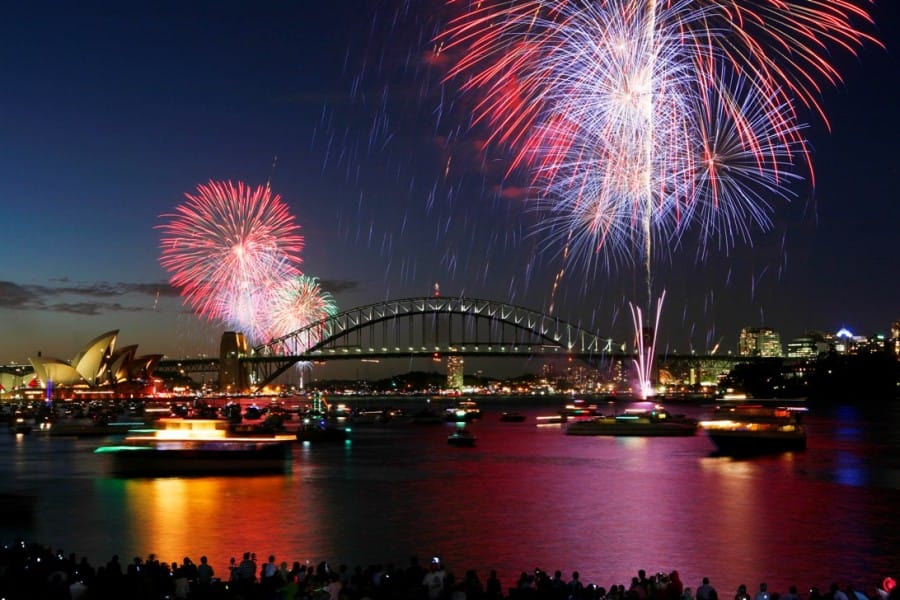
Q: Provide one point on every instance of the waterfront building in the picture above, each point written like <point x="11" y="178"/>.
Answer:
<point x="876" y="344"/>
<point x="843" y="341"/>
<point x="97" y="367"/>
<point x="548" y="371"/>
<point x="759" y="341"/>
<point x="14" y="376"/>
<point x="808" y="346"/>
<point x="846" y="342"/>
<point x="895" y="338"/>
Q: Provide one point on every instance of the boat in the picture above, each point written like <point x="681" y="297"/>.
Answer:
<point x="512" y="417"/>
<point x="747" y="429"/>
<point x="576" y="410"/>
<point x="270" y="425"/>
<point x="322" y="434"/>
<point x="643" y="421"/>
<point x="86" y="427"/>
<point x="314" y="427"/>
<point x="462" y="438"/>
<point x="18" y="424"/>
<point x="196" y="447"/>
<point x="369" y="417"/>
<point x="463" y="412"/>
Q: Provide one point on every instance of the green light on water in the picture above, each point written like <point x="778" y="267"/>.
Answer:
<point x="111" y="449"/>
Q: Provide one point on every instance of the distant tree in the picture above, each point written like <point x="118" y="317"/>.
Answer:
<point x="761" y="378"/>
<point x="840" y="377"/>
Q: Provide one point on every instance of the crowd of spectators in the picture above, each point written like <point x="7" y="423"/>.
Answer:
<point x="30" y="571"/>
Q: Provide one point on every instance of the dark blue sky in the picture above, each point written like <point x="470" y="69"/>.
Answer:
<point x="110" y="112"/>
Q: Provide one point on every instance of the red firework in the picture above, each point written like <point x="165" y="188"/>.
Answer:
<point x="226" y="247"/>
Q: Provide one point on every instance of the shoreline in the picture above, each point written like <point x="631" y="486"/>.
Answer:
<point x="33" y="570"/>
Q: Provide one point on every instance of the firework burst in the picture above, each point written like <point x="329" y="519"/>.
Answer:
<point x="639" y="118"/>
<point x="299" y="302"/>
<point x="642" y="118"/>
<point x="226" y="248"/>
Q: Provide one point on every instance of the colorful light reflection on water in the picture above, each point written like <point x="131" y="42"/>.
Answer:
<point x="525" y="496"/>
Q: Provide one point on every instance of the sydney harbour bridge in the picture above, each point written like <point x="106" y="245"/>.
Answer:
<point x="410" y="328"/>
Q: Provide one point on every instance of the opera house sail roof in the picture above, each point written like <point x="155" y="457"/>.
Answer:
<point x="97" y="364"/>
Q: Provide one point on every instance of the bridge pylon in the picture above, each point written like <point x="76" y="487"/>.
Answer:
<point x="234" y="375"/>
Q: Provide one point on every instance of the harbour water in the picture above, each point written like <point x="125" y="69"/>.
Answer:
<point x="523" y="497"/>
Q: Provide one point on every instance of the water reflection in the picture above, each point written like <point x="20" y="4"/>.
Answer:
<point x="525" y="496"/>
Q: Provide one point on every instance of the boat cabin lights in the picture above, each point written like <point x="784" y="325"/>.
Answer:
<point x="719" y="424"/>
<point x="190" y="429"/>
<point x="113" y="449"/>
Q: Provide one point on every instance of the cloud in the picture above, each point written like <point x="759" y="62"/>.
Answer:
<point x="338" y="286"/>
<point x="101" y="289"/>
<point x="151" y="289"/>
<point x="15" y="296"/>
<point x="87" y="308"/>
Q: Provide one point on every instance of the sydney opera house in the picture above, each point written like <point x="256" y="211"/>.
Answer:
<point x="98" y="368"/>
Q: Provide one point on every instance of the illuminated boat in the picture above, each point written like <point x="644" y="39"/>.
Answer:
<point x="316" y="427"/>
<point x="77" y="427"/>
<point x="746" y="429"/>
<point x="461" y="437"/>
<point x="650" y="421"/>
<point x="197" y="447"/>
<point x="369" y="417"/>
<point x="18" y="424"/>
<point x="576" y="410"/>
<point x="463" y="412"/>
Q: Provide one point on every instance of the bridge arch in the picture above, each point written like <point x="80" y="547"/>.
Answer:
<point x="426" y="325"/>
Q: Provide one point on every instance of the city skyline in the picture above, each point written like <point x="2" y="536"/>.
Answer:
<point x="114" y="115"/>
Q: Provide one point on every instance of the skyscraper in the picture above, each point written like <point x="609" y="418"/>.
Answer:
<point x="759" y="341"/>
<point x="455" y="372"/>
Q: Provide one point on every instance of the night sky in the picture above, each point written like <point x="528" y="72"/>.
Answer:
<point x="111" y="111"/>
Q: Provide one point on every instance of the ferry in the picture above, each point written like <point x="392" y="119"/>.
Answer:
<point x="576" y="410"/>
<point x="463" y="412"/>
<point x="196" y="447"/>
<point x="745" y="429"/>
<point x="651" y="421"/>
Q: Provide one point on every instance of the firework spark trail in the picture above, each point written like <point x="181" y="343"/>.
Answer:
<point x="226" y="247"/>
<point x="646" y="349"/>
<point x="391" y="66"/>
